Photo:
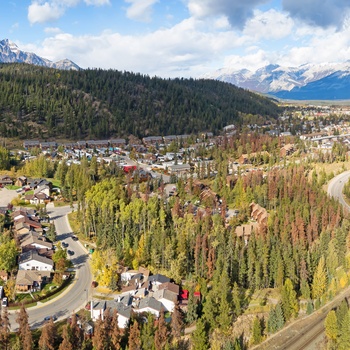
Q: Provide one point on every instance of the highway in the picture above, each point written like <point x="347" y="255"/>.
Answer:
<point x="77" y="294"/>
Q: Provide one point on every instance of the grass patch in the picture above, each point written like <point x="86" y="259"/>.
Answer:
<point x="73" y="221"/>
<point x="12" y="187"/>
<point x="58" y="204"/>
<point x="55" y="182"/>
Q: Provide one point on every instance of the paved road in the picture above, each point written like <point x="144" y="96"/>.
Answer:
<point x="76" y="295"/>
<point x="335" y="187"/>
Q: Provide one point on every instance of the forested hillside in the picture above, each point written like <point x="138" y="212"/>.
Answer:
<point x="38" y="102"/>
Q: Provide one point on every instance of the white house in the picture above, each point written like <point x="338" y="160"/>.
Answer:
<point x="123" y="307"/>
<point x="31" y="260"/>
<point x="151" y="305"/>
<point x="167" y="298"/>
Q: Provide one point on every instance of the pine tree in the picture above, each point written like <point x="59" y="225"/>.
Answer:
<point x="289" y="300"/>
<point x="5" y="330"/>
<point x="162" y="333"/>
<point x="99" y="338"/>
<point x="331" y="328"/>
<point x="199" y="336"/>
<point x="191" y="314"/>
<point x="134" y="337"/>
<point x="256" y="337"/>
<point x="76" y="333"/>
<point x="47" y="338"/>
<point x="344" y="338"/>
<point x="65" y="344"/>
<point x="114" y="332"/>
<point x="147" y="333"/>
<point x="319" y="282"/>
<point x="24" y="332"/>
<point x="177" y="324"/>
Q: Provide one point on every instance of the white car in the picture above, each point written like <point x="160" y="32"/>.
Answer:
<point x="4" y="302"/>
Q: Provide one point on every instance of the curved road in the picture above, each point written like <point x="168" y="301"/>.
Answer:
<point x="335" y="188"/>
<point x="77" y="294"/>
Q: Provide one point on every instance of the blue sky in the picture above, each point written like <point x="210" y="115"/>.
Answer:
<point x="180" y="38"/>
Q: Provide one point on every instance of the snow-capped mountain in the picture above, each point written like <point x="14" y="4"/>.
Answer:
<point x="10" y="53"/>
<point x="297" y="81"/>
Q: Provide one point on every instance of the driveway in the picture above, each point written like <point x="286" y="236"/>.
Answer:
<point x="6" y="196"/>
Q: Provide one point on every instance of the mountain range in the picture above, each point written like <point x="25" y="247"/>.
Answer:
<point x="327" y="81"/>
<point x="10" y="53"/>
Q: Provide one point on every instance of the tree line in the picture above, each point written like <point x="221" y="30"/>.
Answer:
<point x="39" y="102"/>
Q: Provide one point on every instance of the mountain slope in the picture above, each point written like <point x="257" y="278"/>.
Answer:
<point x="292" y="82"/>
<point x="333" y="87"/>
<point x="38" y="102"/>
<point x="10" y="53"/>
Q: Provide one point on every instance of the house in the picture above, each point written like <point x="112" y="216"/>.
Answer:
<point x="22" y="228"/>
<point x="152" y="140"/>
<point x="157" y="280"/>
<point x="167" y="298"/>
<point x="246" y="230"/>
<point x="31" y="280"/>
<point x="39" y="198"/>
<point x="122" y="305"/>
<point x="31" y="260"/>
<point x="46" y="189"/>
<point x="31" y="144"/>
<point x="287" y="150"/>
<point x="149" y="304"/>
<point x="48" y="145"/>
<point x="128" y="274"/>
<point x="117" y="143"/>
<point x="5" y="180"/>
<point x="36" y="241"/>
<point x="179" y="169"/>
<point x="21" y="181"/>
<point x="171" y="287"/>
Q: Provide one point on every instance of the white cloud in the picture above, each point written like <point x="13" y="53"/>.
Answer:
<point x="140" y="10"/>
<point x="269" y="25"/>
<point x="40" y="11"/>
<point x="52" y="30"/>
<point x="183" y="50"/>
<point x="97" y="2"/>
<point x="252" y="61"/>
<point x="44" y="12"/>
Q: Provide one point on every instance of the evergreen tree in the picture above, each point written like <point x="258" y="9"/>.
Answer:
<point x="256" y="337"/>
<point x="134" y="337"/>
<point x="199" y="336"/>
<point x="289" y="300"/>
<point x="48" y="335"/>
<point x="65" y="344"/>
<point x="191" y="314"/>
<point x="147" y="333"/>
<point x="344" y="337"/>
<point x="319" y="282"/>
<point x="162" y="333"/>
<point x="177" y="324"/>
<point x="5" y="330"/>
<point x="331" y="329"/>
<point x="24" y="332"/>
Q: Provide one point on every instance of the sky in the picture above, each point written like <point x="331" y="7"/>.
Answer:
<point x="180" y="38"/>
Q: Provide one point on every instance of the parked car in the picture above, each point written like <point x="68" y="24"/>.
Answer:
<point x="48" y="318"/>
<point x="4" y="302"/>
<point x="75" y="238"/>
